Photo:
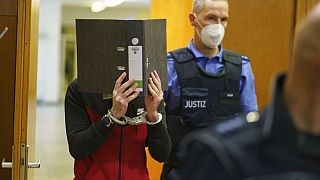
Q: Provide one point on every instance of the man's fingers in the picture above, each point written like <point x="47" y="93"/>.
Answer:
<point x="156" y="80"/>
<point x="152" y="91"/>
<point x="153" y="86"/>
<point x="157" y="76"/>
<point x="119" y="81"/>
<point x="130" y="90"/>
<point x="132" y="97"/>
<point x="125" y="85"/>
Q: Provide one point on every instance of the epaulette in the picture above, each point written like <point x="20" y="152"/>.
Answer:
<point x="169" y="56"/>
<point x="239" y="122"/>
<point x="245" y="58"/>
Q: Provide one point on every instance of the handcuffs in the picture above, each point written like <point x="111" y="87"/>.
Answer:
<point x="140" y="119"/>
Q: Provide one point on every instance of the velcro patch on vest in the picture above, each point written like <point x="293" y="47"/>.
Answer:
<point x="190" y="104"/>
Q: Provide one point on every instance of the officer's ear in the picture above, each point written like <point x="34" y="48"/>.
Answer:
<point x="192" y="19"/>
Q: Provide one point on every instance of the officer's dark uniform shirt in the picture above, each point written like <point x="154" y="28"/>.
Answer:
<point x="247" y="147"/>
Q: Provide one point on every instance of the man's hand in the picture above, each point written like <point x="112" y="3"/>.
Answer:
<point x="121" y="97"/>
<point x="152" y="101"/>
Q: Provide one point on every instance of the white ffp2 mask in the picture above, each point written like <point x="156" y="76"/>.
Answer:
<point x="211" y="35"/>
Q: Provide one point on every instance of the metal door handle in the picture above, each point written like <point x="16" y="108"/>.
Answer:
<point x="9" y="164"/>
<point x="6" y="164"/>
<point x="34" y="165"/>
<point x="4" y="32"/>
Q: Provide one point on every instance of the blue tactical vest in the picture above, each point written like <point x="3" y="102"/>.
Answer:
<point x="207" y="97"/>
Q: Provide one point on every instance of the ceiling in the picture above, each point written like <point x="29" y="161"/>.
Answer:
<point x="87" y="3"/>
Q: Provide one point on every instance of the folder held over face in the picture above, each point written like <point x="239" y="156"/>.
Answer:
<point x="107" y="48"/>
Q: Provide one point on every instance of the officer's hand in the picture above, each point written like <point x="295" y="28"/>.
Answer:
<point x="121" y="97"/>
<point x="152" y="101"/>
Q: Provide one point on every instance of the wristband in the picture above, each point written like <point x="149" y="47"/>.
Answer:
<point x="154" y="123"/>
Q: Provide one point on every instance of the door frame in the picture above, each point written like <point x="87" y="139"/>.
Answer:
<point x="25" y="87"/>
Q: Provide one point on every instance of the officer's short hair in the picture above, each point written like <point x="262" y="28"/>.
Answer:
<point x="198" y="5"/>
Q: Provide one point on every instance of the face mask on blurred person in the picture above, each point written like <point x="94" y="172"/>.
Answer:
<point x="211" y="35"/>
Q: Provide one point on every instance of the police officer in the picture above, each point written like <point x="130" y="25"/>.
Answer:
<point x="285" y="142"/>
<point x="206" y="82"/>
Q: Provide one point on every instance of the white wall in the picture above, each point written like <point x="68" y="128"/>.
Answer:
<point x="123" y="12"/>
<point x="49" y="51"/>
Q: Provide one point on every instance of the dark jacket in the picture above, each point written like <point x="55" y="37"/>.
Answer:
<point x="102" y="153"/>
<point x="269" y="147"/>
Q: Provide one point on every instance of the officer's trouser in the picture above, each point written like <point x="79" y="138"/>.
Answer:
<point x="170" y="172"/>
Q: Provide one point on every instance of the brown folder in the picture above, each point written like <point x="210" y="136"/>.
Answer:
<point x="106" y="48"/>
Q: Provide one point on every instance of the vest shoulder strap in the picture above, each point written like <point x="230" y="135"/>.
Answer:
<point x="182" y="55"/>
<point x="232" y="57"/>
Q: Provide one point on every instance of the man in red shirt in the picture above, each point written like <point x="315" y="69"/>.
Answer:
<point x="104" y="137"/>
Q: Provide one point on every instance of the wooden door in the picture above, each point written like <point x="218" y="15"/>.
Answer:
<point x="18" y="56"/>
<point x="8" y="33"/>
<point x="263" y="31"/>
<point x="8" y="7"/>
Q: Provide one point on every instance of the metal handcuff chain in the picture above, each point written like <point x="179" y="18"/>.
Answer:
<point x="141" y="119"/>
